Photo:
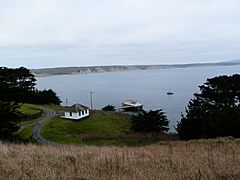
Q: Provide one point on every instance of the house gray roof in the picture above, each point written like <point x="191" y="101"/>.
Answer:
<point x="76" y="108"/>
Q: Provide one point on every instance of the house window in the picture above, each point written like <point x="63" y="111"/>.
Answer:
<point x="86" y="111"/>
<point x="80" y="113"/>
<point x="70" y="113"/>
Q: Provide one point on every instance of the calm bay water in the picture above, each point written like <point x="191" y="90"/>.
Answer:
<point x="149" y="87"/>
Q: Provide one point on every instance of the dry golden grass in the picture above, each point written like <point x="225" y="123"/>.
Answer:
<point x="218" y="159"/>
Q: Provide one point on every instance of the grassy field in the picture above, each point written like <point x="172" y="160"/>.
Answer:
<point x="26" y="134"/>
<point x="215" y="159"/>
<point x="29" y="109"/>
<point x="53" y="107"/>
<point x="99" y="123"/>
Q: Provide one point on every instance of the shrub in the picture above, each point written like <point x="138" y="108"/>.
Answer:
<point x="109" y="107"/>
<point x="152" y="121"/>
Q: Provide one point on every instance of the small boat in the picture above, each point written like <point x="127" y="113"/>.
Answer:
<point x="170" y="93"/>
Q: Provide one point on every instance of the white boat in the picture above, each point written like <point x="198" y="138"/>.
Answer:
<point x="132" y="105"/>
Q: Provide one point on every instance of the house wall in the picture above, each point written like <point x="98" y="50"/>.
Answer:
<point x="86" y="113"/>
<point x="76" y="115"/>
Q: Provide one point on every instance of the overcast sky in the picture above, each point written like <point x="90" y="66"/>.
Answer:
<point x="51" y="33"/>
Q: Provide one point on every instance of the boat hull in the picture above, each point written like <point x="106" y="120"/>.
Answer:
<point x="131" y="108"/>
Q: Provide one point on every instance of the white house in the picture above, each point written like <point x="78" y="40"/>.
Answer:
<point x="77" y="111"/>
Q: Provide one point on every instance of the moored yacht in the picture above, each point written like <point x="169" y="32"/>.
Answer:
<point x="132" y="105"/>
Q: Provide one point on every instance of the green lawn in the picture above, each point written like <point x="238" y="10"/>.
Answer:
<point x="26" y="134"/>
<point x="29" y="109"/>
<point x="53" y="107"/>
<point x="99" y="123"/>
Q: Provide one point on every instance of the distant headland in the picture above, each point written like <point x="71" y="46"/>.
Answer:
<point x="120" y="68"/>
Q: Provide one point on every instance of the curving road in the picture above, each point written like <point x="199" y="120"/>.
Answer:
<point x="49" y="114"/>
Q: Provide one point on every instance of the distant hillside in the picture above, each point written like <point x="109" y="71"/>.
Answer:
<point x="102" y="69"/>
<point x="234" y="61"/>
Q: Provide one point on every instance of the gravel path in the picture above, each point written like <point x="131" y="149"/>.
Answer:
<point x="49" y="114"/>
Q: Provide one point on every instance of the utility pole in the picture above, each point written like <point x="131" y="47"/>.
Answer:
<point x="66" y="101"/>
<point x="91" y="99"/>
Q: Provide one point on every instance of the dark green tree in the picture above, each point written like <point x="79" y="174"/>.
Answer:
<point x="15" y="84"/>
<point x="18" y="85"/>
<point x="214" y="111"/>
<point x="9" y="120"/>
<point x="109" y="107"/>
<point x="44" y="97"/>
<point x="152" y="121"/>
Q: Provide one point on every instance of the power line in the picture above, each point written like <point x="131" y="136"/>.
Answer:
<point x="91" y="99"/>
<point x="66" y="101"/>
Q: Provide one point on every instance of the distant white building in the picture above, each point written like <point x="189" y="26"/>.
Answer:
<point x="77" y="111"/>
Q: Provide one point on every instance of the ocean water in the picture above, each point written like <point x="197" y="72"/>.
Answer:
<point x="149" y="87"/>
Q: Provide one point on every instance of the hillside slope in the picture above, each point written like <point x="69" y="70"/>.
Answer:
<point x="99" y="123"/>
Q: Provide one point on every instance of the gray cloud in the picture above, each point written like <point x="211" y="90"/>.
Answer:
<point x="48" y="33"/>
